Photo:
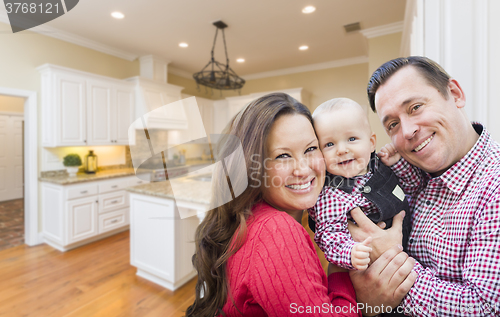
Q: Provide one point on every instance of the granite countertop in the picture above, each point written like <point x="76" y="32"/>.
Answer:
<point x="64" y="179"/>
<point x="82" y="177"/>
<point x="186" y="189"/>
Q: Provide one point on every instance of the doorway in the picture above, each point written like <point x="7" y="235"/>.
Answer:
<point x="30" y="163"/>
<point x="11" y="171"/>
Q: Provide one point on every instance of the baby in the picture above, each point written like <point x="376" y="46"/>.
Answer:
<point x="355" y="178"/>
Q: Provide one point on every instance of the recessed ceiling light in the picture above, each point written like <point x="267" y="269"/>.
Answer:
<point x="240" y="60"/>
<point x="183" y="44"/>
<point x="308" y="9"/>
<point x="117" y="15"/>
<point x="303" y="47"/>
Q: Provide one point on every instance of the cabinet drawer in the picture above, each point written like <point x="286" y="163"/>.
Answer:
<point x="113" y="201"/>
<point x="82" y="191"/>
<point x="113" y="185"/>
<point x="113" y="220"/>
<point x="134" y="181"/>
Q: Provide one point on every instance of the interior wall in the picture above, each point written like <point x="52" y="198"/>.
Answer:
<point x="190" y="87"/>
<point x="493" y="99"/>
<point x="347" y="81"/>
<point x="11" y="104"/>
<point x="380" y="50"/>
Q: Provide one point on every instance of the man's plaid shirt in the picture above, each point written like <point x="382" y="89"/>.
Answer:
<point x="455" y="235"/>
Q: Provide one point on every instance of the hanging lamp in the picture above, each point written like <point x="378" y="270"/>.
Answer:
<point x="218" y="75"/>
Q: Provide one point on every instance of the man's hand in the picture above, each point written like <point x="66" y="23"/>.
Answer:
<point x="385" y="282"/>
<point x="389" y="155"/>
<point x="382" y="239"/>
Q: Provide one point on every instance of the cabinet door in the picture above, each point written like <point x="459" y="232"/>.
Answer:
<point x="184" y="241"/>
<point x="152" y="235"/>
<point x="71" y="110"/>
<point x="100" y="112"/>
<point x="82" y="220"/>
<point x="123" y="114"/>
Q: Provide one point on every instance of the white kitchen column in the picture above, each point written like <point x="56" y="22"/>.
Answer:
<point x="463" y="37"/>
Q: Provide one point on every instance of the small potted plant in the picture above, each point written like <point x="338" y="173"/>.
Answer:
<point x="72" y="162"/>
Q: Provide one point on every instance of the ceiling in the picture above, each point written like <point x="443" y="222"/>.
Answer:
<point x="266" y="33"/>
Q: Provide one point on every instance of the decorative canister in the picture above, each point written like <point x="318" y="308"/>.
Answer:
<point x="91" y="163"/>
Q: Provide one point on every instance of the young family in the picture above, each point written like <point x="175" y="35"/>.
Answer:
<point x="435" y="189"/>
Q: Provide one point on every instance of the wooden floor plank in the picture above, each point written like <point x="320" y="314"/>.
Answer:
<point x="93" y="280"/>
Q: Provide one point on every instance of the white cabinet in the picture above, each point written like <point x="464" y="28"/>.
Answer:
<point x="82" y="219"/>
<point x="123" y="114"/>
<point x="68" y="123"/>
<point x="74" y="215"/>
<point x="100" y="108"/>
<point x="84" y="109"/>
<point x="162" y="244"/>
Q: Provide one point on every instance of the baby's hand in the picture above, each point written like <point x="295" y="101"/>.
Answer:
<point x="360" y="254"/>
<point x="388" y="155"/>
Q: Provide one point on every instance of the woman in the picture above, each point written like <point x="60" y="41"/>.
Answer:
<point x="253" y="256"/>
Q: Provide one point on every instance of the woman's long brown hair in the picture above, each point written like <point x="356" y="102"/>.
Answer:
<point x="223" y="230"/>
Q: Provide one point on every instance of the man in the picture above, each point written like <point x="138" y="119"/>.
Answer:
<point x="454" y="196"/>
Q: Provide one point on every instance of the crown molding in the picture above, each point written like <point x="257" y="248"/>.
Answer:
<point x="75" y="39"/>
<point x="308" y="68"/>
<point x="383" y="30"/>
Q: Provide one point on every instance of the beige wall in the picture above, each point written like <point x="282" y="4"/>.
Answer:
<point x="11" y="104"/>
<point x="348" y="81"/>
<point x="22" y="52"/>
<point x="190" y="87"/>
<point x="380" y="50"/>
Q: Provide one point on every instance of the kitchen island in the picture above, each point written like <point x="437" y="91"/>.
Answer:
<point x="162" y="228"/>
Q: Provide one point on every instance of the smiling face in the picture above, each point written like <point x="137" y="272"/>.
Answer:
<point x="345" y="139"/>
<point x="294" y="166"/>
<point x="428" y="130"/>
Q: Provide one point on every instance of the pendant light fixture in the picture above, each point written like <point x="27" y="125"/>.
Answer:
<point x="218" y="75"/>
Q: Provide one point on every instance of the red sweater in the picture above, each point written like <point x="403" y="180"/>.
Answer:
<point x="277" y="272"/>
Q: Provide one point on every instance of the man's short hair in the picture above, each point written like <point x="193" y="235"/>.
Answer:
<point x="433" y="73"/>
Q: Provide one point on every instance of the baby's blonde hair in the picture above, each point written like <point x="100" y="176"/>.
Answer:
<point x="340" y="103"/>
<point x="335" y="104"/>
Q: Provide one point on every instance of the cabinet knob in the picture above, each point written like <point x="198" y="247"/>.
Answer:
<point x="114" y="186"/>
<point x="84" y="192"/>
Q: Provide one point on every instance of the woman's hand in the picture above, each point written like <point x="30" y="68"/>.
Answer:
<point x="385" y="282"/>
<point x="382" y="239"/>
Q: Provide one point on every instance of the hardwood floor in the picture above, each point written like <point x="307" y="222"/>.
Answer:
<point x="93" y="280"/>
